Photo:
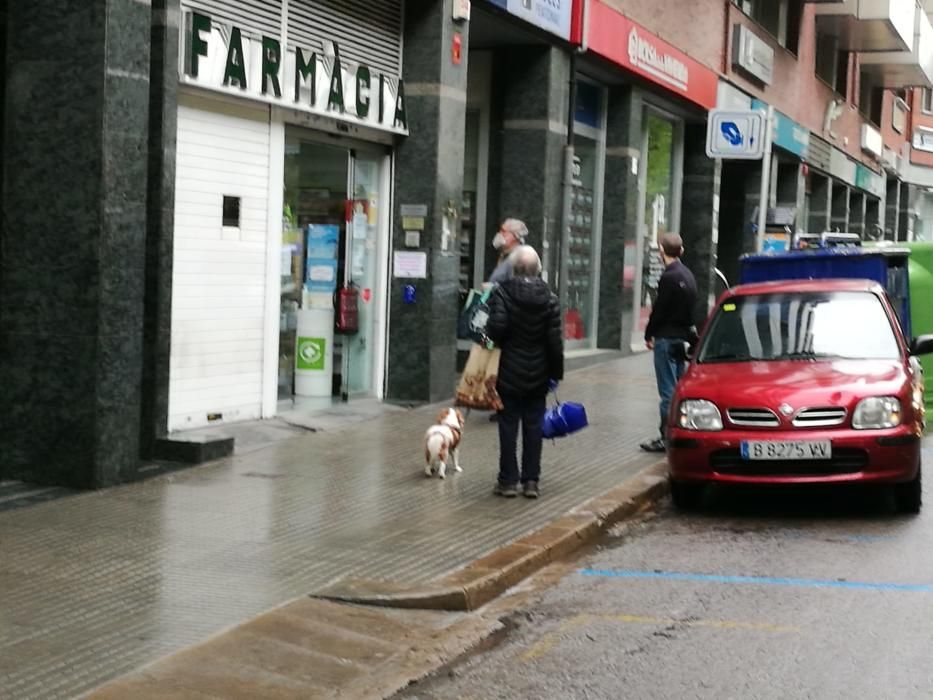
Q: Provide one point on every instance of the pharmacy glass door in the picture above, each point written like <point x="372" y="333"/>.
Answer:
<point x="365" y="273"/>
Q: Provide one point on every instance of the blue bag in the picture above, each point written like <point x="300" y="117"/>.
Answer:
<point x="563" y="419"/>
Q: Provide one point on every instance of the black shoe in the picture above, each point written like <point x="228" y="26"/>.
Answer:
<point x="530" y="489"/>
<point x="493" y="417"/>
<point x="656" y="445"/>
<point x="506" y="490"/>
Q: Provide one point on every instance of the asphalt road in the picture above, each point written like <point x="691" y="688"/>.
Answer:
<point x="814" y="594"/>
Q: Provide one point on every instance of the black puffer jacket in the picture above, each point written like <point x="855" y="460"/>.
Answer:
<point x="524" y="320"/>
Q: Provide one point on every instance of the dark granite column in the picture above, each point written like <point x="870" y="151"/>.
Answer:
<point x="892" y="205"/>
<point x="160" y="216"/>
<point x="531" y="91"/>
<point x="429" y="171"/>
<point x="74" y="240"/>
<point x="752" y="184"/>
<point x="907" y="209"/>
<point x="820" y="204"/>
<point x="856" y="213"/>
<point x="620" y="218"/>
<point x="839" y="220"/>
<point x="699" y="220"/>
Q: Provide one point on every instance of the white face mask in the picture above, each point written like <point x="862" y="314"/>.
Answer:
<point x="498" y="241"/>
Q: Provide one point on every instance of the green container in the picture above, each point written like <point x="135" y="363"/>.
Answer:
<point x="920" y="270"/>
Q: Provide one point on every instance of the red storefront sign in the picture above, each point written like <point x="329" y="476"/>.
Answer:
<point x="622" y="41"/>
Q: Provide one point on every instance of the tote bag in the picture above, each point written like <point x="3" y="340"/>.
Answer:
<point x="477" y="387"/>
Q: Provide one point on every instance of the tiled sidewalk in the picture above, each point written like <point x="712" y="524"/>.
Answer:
<point x="97" y="584"/>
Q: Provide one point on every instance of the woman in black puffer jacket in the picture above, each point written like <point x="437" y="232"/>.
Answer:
<point x="524" y="320"/>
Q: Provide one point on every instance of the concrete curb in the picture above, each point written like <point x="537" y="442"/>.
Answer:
<point x="488" y="577"/>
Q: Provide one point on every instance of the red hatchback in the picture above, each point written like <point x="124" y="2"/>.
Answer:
<point x="800" y="382"/>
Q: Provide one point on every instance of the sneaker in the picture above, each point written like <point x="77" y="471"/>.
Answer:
<point x="506" y="490"/>
<point x="656" y="445"/>
<point x="530" y="489"/>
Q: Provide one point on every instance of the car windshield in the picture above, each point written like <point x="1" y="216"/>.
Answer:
<point x="800" y="326"/>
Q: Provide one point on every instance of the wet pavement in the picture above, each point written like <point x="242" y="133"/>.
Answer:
<point x="97" y="584"/>
<point x="764" y="595"/>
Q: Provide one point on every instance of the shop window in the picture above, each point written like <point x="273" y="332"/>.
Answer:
<point x="231" y="212"/>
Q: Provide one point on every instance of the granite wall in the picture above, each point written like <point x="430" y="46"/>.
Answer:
<point x="74" y="240"/>
<point x="429" y="171"/>
<point x="699" y="220"/>
<point x="160" y="221"/>
<point x="530" y="95"/>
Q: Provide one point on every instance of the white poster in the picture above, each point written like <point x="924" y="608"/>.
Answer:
<point x="411" y="265"/>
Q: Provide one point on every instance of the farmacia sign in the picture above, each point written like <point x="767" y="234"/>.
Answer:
<point x="222" y="57"/>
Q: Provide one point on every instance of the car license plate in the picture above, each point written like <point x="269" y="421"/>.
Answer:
<point x="786" y="449"/>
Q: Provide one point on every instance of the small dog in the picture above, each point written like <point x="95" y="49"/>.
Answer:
<point x="442" y="441"/>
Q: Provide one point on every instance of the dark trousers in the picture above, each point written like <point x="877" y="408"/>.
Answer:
<point x="529" y="412"/>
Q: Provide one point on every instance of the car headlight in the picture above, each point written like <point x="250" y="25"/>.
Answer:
<point x="699" y="414"/>
<point x="877" y="412"/>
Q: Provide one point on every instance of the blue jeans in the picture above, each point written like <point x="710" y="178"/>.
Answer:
<point x="668" y="369"/>
<point x="530" y="413"/>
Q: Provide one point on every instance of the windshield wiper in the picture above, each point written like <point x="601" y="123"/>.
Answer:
<point x="804" y="355"/>
<point x="727" y="358"/>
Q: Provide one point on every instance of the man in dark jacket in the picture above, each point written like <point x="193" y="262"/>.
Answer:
<point x="524" y="320"/>
<point x="670" y="327"/>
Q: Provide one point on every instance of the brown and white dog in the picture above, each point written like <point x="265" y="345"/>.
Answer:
<point x="442" y="441"/>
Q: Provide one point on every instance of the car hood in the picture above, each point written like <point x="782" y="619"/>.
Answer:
<point x="796" y="382"/>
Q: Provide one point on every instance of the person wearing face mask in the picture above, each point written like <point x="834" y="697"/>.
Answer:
<point x="511" y="234"/>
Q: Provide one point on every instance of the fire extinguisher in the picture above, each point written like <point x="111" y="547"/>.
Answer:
<point x="348" y="310"/>
<point x="573" y="325"/>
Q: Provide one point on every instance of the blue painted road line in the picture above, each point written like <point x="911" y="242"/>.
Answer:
<point x="760" y="580"/>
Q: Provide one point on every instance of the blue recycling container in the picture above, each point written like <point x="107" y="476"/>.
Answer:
<point x="887" y="266"/>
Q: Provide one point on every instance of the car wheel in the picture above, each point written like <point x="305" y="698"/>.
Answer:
<point x="908" y="496"/>
<point x="686" y="496"/>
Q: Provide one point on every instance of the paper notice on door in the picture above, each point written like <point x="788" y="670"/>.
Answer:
<point x="360" y="225"/>
<point x="410" y="265"/>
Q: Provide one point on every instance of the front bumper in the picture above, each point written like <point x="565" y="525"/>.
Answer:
<point x="885" y="456"/>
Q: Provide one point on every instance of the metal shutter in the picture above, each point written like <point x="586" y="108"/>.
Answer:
<point x="262" y="16"/>
<point x="367" y="31"/>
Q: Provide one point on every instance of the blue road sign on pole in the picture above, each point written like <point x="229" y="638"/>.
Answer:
<point x="735" y="134"/>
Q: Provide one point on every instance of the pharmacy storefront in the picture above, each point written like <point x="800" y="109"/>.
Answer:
<point x="287" y="117"/>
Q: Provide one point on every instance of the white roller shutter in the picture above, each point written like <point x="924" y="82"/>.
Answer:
<point x="367" y="31"/>
<point x="219" y="275"/>
<point x="260" y="16"/>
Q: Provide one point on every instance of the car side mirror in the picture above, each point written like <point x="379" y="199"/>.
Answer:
<point x="922" y="345"/>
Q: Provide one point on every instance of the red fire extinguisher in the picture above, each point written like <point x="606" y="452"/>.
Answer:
<point x="573" y="325"/>
<point x="348" y="310"/>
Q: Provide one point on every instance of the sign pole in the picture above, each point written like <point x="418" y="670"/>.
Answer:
<point x="765" y="180"/>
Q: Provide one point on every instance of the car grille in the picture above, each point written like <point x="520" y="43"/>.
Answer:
<point x="845" y="460"/>
<point x="755" y="417"/>
<point x="820" y="417"/>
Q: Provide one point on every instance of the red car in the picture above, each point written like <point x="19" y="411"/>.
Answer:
<point x="800" y="382"/>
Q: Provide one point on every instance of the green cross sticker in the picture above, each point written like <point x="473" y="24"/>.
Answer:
<point x="311" y="353"/>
